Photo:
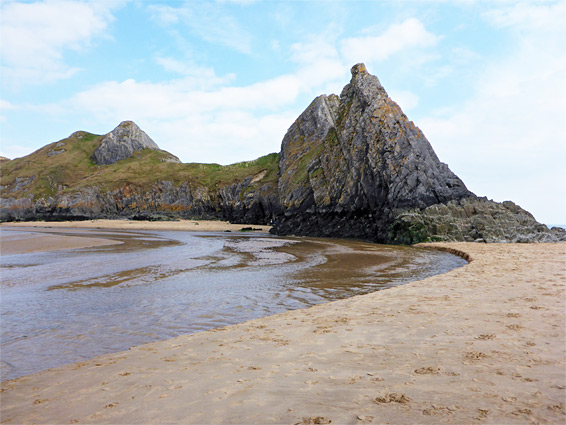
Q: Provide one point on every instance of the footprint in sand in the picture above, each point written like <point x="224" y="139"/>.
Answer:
<point x="393" y="398"/>
<point x="168" y="359"/>
<point x="515" y="327"/>
<point x="435" y="410"/>
<point x="475" y="355"/>
<point x="427" y="370"/>
<point x="314" y="420"/>
<point x="482" y="414"/>
<point x="484" y="337"/>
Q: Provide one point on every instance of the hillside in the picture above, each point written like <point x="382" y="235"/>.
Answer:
<point x="60" y="179"/>
<point x="350" y="166"/>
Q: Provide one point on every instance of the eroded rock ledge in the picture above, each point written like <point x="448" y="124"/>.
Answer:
<point x="351" y="166"/>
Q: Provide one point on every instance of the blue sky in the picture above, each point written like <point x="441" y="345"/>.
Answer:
<point x="221" y="81"/>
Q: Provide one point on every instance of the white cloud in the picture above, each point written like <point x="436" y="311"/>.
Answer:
<point x="195" y="76"/>
<point x="36" y="35"/>
<point x="398" y="37"/>
<point x="545" y="16"/>
<point x="208" y="22"/>
<point x="512" y="128"/>
<point x="224" y="123"/>
<point x="319" y="64"/>
<point x="5" y="105"/>
<point x="405" y="99"/>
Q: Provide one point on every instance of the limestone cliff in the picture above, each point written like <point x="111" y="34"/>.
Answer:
<point x="354" y="166"/>
<point x="350" y="166"/>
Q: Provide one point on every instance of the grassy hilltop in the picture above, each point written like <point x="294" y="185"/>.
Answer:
<point x="67" y="166"/>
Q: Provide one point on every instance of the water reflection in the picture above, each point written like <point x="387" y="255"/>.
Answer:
<point x="65" y="306"/>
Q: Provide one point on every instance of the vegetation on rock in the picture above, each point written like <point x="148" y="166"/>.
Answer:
<point x="350" y="166"/>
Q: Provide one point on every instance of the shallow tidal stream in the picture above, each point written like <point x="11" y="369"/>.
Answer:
<point x="60" y="307"/>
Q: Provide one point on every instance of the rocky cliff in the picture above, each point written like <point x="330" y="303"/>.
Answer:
<point x="124" y="174"/>
<point x="350" y="166"/>
<point x="355" y="166"/>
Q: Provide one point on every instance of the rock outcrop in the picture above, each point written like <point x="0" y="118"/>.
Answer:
<point x="241" y="203"/>
<point x="121" y="143"/>
<point x="350" y="166"/>
<point x="471" y="219"/>
<point x="354" y="166"/>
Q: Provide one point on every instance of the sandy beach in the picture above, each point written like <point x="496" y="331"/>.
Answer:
<point x="484" y="343"/>
<point x="185" y="225"/>
<point x="26" y="243"/>
<point x="23" y="243"/>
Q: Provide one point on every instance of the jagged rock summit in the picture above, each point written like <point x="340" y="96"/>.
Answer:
<point x="349" y="164"/>
<point x="355" y="166"/>
<point x="121" y="143"/>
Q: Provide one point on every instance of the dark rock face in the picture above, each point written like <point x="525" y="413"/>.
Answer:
<point x="350" y="164"/>
<point x="121" y="143"/>
<point x="242" y="203"/>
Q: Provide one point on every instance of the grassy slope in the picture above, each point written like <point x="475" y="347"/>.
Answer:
<point x="74" y="169"/>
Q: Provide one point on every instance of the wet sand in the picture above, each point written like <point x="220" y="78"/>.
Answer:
<point x="21" y="244"/>
<point x="156" y="285"/>
<point x="484" y="343"/>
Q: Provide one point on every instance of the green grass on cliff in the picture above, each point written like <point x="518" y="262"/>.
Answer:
<point x="52" y="173"/>
<point x="74" y="169"/>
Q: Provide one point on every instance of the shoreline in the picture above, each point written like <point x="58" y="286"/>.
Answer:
<point x="28" y="243"/>
<point x="482" y="343"/>
<point x="185" y="225"/>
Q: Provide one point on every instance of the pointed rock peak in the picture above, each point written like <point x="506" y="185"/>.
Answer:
<point x="358" y="68"/>
<point x="121" y="143"/>
<point x="130" y="130"/>
<point x="128" y="125"/>
<point x="363" y="85"/>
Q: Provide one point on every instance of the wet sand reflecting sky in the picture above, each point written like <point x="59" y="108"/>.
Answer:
<point x="65" y="306"/>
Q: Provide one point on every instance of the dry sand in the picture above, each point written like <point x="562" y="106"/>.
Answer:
<point x="186" y="225"/>
<point x="484" y="343"/>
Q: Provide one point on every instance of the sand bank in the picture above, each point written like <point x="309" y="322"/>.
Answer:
<point x="21" y="244"/>
<point x="24" y="243"/>
<point x="186" y="225"/>
<point x="484" y="343"/>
